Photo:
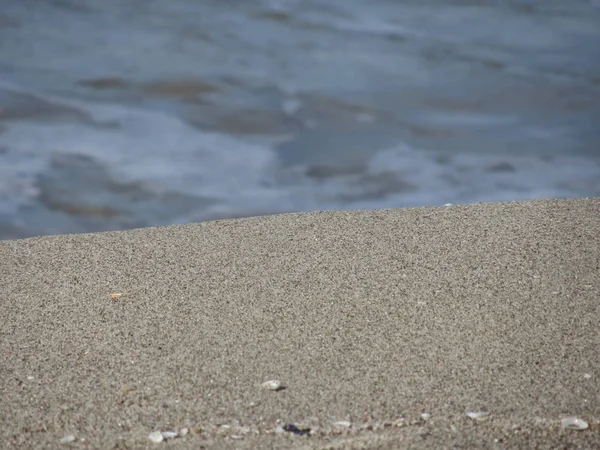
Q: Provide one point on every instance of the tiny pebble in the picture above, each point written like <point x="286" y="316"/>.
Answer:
<point x="291" y="428"/>
<point x="587" y="376"/>
<point x="574" y="423"/>
<point x="170" y="434"/>
<point x="156" y="436"/>
<point x="401" y="422"/>
<point x="425" y="416"/>
<point x="273" y="385"/>
<point x="30" y="378"/>
<point x="184" y="431"/>
<point x="377" y="426"/>
<point x="67" y="439"/>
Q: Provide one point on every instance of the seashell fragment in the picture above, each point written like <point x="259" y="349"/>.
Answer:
<point x="478" y="415"/>
<point x="170" y="434"/>
<point x="156" y="436"/>
<point x="574" y="423"/>
<point x="273" y="385"/>
<point x="184" y="431"/>
<point x="67" y="439"/>
<point x="342" y="424"/>
<point x="425" y="416"/>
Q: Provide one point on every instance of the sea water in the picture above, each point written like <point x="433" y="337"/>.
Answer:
<point x="128" y="113"/>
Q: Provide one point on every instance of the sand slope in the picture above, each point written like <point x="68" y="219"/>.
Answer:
<point x="368" y="318"/>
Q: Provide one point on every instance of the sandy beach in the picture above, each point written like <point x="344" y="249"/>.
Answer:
<point x="473" y="326"/>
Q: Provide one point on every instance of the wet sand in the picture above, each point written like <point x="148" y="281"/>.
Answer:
<point x="385" y="328"/>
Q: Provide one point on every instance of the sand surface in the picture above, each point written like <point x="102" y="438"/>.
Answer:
<point x="368" y="318"/>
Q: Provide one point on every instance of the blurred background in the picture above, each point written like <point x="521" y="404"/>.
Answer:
<point x="129" y="113"/>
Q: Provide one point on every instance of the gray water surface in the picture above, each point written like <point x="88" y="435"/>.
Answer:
<point x="128" y="113"/>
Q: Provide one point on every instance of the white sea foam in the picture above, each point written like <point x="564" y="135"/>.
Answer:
<point x="170" y="155"/>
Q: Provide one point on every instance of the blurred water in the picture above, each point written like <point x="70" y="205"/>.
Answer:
<point x="129" y="113"/>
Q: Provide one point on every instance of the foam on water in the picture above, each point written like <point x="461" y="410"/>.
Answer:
<point x="245" y="178"/>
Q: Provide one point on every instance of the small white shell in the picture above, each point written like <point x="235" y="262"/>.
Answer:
<point x="273" y="385"/>
<point x="170" y="434"/>
<point x="478" y="415"/>
<point x="574" y="423"/>
<point x="67" y="439"/>
<point x="156" y="436"/>
<point x="184" y="431"/>
<point x="425" y="416"/>
<point x="342" y="424"/>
